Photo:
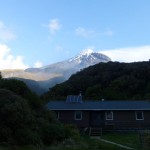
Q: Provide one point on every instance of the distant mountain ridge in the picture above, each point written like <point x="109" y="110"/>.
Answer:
<point x="52" y="74"/>
<point x="68" y="67"/>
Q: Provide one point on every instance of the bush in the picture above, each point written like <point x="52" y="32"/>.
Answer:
<point x="146" y="139"/>
<point x="72" y="132"/>
<point x="17" y="121"/>
<point x="20" y="124"/>
<point x="27" y="136"/>
<point x="52" y="133"/>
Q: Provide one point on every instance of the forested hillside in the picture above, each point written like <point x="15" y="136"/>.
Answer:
<point x="110" y="81"/>
<point x="24" y="119"/>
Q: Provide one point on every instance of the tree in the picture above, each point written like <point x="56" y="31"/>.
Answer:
<point x="20" y="124"/>
<point x="21" y="89"/>
<point x="17" y="121"/>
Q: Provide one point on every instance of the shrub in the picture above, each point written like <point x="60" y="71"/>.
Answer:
<point x="17" y="121"/>
<point x="71" y="131"/>
<point x="146" y="139"/>
<point x="52" y="133"/>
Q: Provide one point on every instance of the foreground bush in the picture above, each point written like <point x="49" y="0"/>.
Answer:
<point x="71" y="131"/>
<point x="17" y="121"/>
<point x="20" y="124"/>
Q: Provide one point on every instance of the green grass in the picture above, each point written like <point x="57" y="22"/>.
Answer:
<point x="86" y="143"/>
<point x="129" y="139"/>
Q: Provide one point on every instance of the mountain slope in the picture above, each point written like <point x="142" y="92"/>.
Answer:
<point x="68" y="67"/>
<point x="50" y="75"/>
<point x="110" y="81"/>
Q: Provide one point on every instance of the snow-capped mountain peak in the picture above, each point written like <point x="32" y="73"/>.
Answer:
<point x="85" y="53"/>
<point x="88" y="56"/>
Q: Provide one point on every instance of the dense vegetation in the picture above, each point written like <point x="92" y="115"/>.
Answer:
<point x="24" y="120"/>
<point x="111" y="81"/>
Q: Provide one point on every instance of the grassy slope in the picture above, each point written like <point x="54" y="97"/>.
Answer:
<point x="85" y="143"/>
<point x="128" y="139"/>
<point x="82" y="144"/>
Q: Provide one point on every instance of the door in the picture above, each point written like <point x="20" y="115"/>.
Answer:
<point x="97" y="118"/>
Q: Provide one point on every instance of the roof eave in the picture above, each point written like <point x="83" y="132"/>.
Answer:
<point x="100" y="109"/>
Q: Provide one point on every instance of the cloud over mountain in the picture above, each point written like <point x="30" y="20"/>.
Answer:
<point x="129" y="54"/>
<point x="38" y="64"/>
<point x="9" y="61"/>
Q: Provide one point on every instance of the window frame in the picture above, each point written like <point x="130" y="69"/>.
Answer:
<point x="137" y="113"/>
<point x="106" y="115"/>
<point x="75" y="115"/>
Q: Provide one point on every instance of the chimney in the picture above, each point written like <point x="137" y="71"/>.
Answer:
<point x="80" y="94"/>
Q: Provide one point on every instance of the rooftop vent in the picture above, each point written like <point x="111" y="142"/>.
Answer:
<point x="74" y="99"/>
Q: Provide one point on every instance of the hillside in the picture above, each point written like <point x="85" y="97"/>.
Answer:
<point x="110" y="81"/>
<point x="52" y="74"/>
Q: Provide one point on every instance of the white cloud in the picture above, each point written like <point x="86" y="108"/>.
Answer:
<point x="6" y="34"/>
<point x="8" y="61"/>
<point x="80" y="31"/>
<point x="38" y="64"/>
<point x="129" y="54"/>
<point x="54" y="26"/>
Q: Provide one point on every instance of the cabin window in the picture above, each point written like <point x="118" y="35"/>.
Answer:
<point x="109" y="115"/>
<point x="139" y="115"/>
<point x="78" y="115"/>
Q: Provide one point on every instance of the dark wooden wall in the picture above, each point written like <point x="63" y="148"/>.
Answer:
<point x="68" y="118"/>
<point x="121" y="119"/>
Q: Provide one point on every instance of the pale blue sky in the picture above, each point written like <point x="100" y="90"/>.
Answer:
<point x="47" y="31"/>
